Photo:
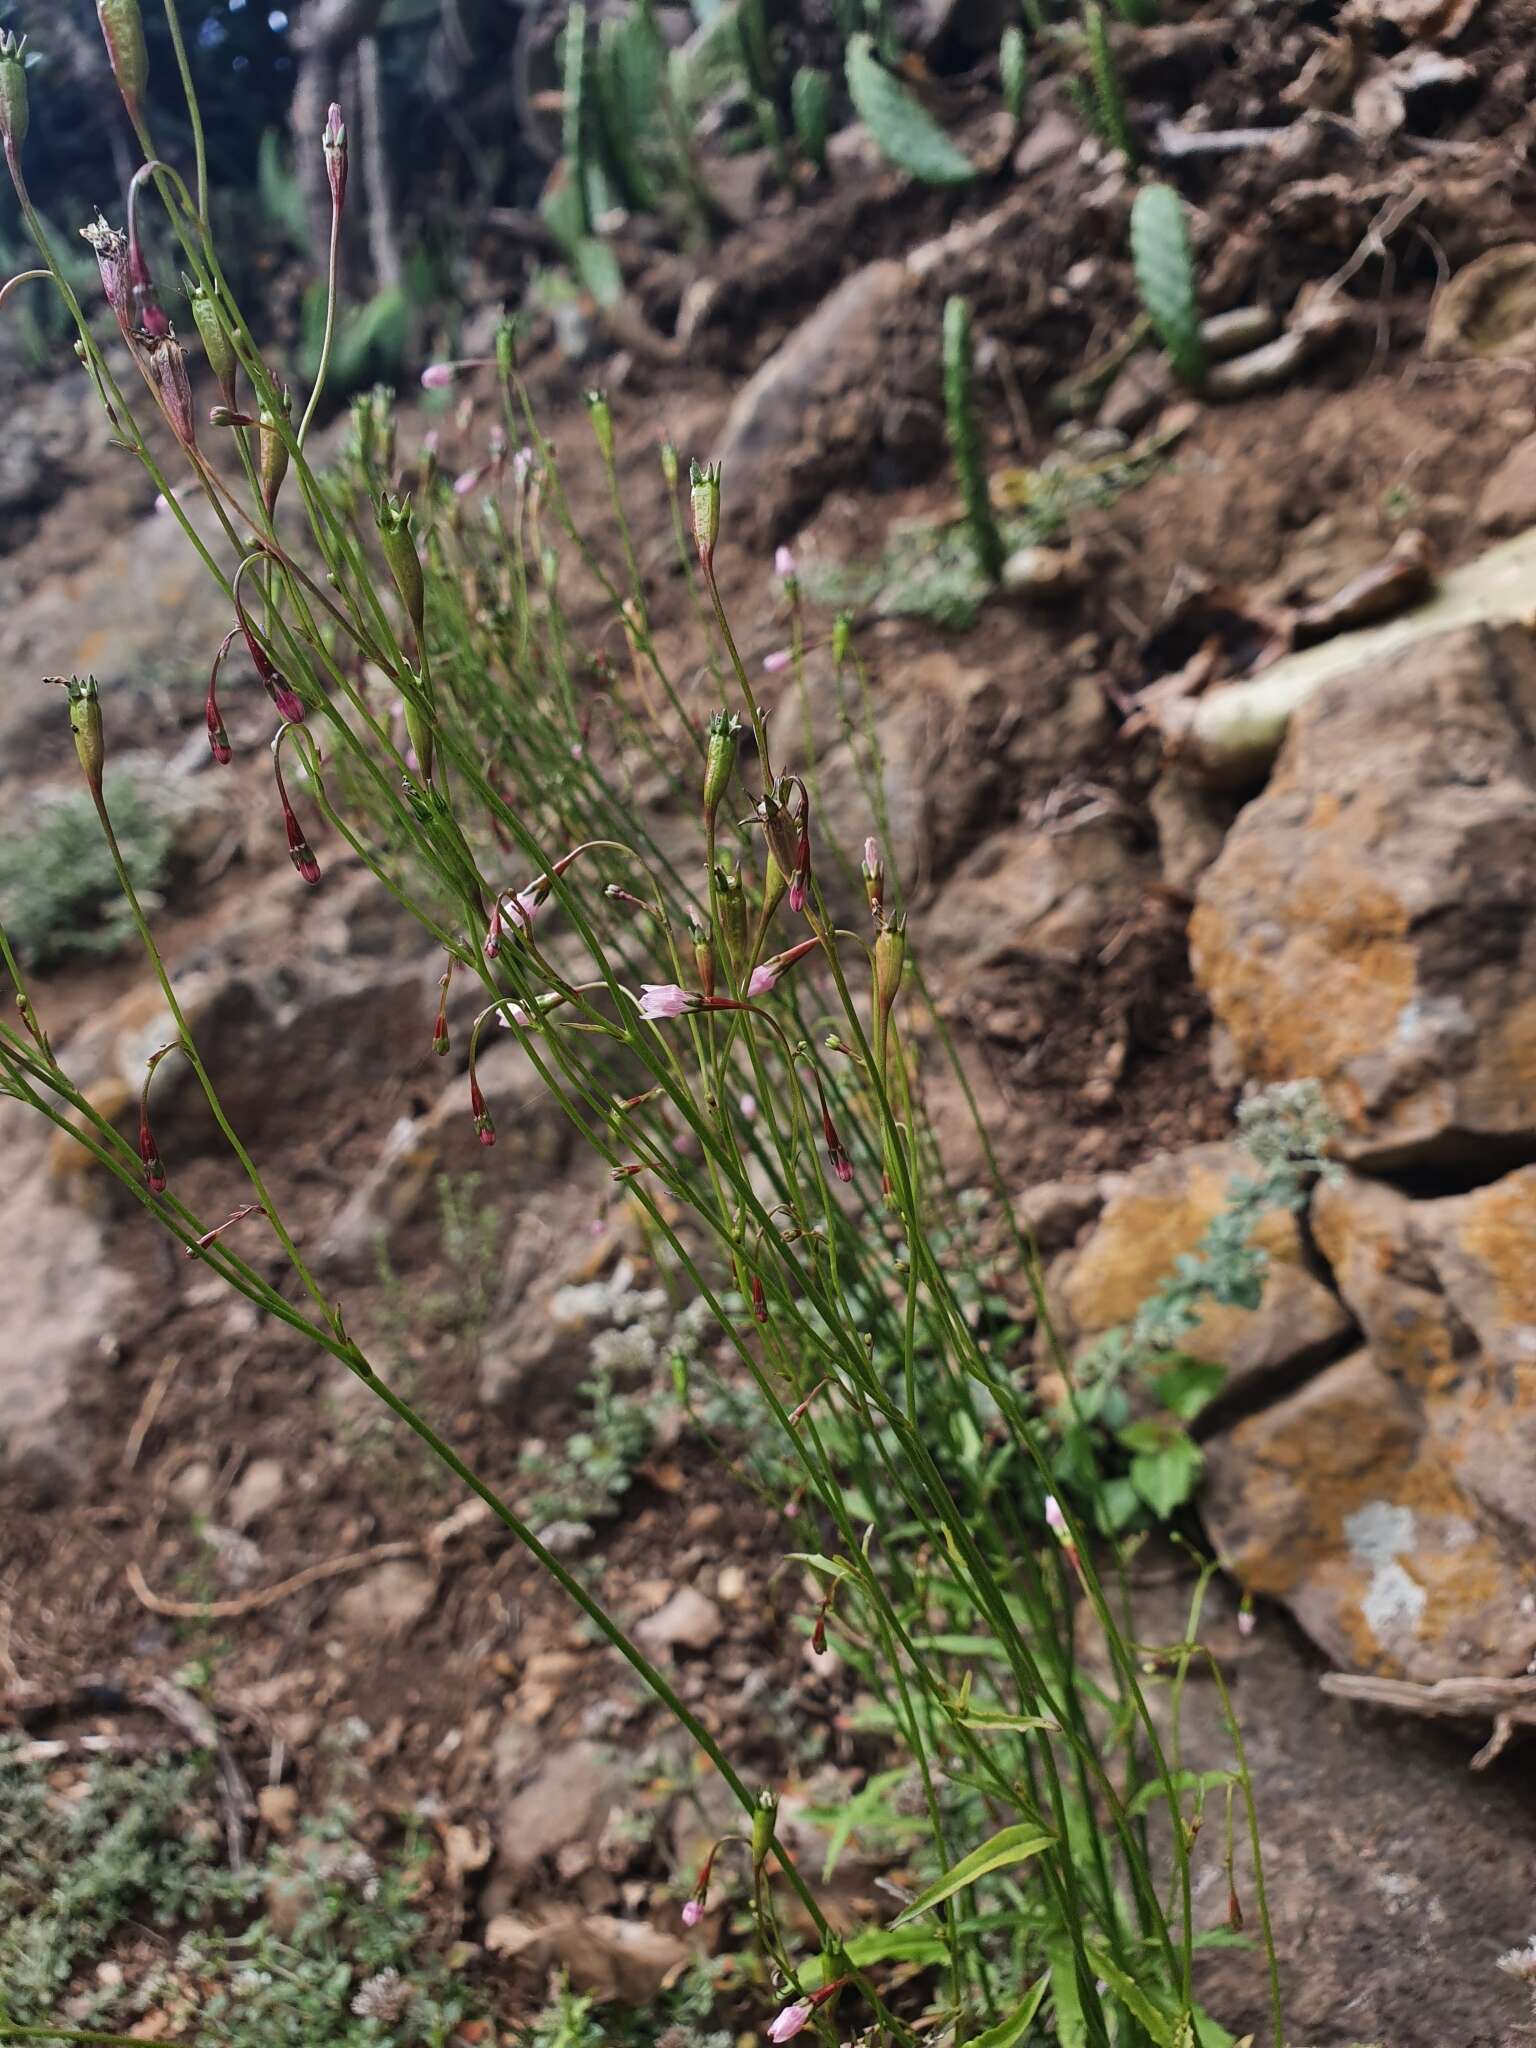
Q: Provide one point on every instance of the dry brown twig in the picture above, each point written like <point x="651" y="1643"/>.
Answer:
<point x="1510" y="1703"/>
<point x="431" y="1546"/>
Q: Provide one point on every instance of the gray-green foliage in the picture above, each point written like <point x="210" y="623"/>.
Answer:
<point x="1285" y="1131"/>
<point x="576" y="134"/>
<point x="810" y="100"/>
<point x="59" y="898"/>
<point x="631" y="72"/>
<point x="143" y="1852"/>
<point x="1165" y="277"/>
<point x="1108" y="100"/>
<point x="907" y="134"/>
<point x="965" y="440"/>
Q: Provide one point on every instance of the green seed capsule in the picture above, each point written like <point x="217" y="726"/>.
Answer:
<point x="85" y="724"/>
<point x="13" y="90"/>
<point x="274" y="455"/>
<point x="719" y="760"/>
<point x="404" y="562"/>
<point x="217" y="346"/>
<point x="122" y="26"/>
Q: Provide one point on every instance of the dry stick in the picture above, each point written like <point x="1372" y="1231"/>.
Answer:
<point x="1509" y="1703"/>
<point x="150" y="1408"/>
<point x="430" y="1545"/>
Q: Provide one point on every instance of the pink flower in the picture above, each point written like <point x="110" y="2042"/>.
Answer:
<point x="665" y="999"/>
<point x="871" y="855"/>
<point x="693" y="1912"/>
<point x="763" y="979"/>
<point x="748" y="1107"/>
<point x="783" y="562"/>
<point x="791" y="2020"/>
<point x="466" y="482"/>
<point x="775" y="663"/>
<point x="1247" y="1621"/>
<point x="798" y="890"/>
<point x="1055" y="1520"/>
<point x="438" y="376"/>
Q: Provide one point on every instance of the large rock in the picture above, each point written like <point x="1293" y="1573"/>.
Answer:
<point x="1369" y="919"/>
<point x="1157" y="1214"/>
<point x="810" y="417"/>
<point x="64" y="1305"/>
<point x="1340" y="1502"/>
<point x="1446" y="1294"/>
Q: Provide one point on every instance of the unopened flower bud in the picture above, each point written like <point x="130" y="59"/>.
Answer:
<point x="85" y="724"/>
<point x="669" y="465"/>
<point x="873" y="871"/>
<point x="274" y="454"/>
<point x="399" y="547"/>
<point x="890" y="959"/>
<point x="305" y="864"/>
<point x="506" y="349"/>
<point x="704" y="959"/>
<point x="731" y="901"/>
<point x="602" y="422"/>
<point x="290" y="707"/>
<point x="719" y="760"/>
<point x="485" y="1128"/>
<point x="418" y="729"/>
<point x="13" y="92"/>
<point x="764" y="1819"/>
<point x="154" y="1165"/>
<point x="440" y="1025"/>
<point x="217" y="346"/>
<point x="842" y="637"/>
<point x="704" y="499"/>
<point x="334" y="142"/>
<point x="122" y="27"/>
<point x="759" y="1299"/>
<point x="165" y="362"/>
<point x="218" y="738"/>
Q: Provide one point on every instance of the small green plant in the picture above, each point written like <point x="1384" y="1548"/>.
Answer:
<point x="1165" y="277"/>
<point x="59" y="895"/>
<point x="138" y="1847"/>
<point x="1285" y="1130"/>
<point x="1107" y="101"/>
<point x="907" y="134"/>
<point x="1013" y="66"/>
<point x="965" y="443"/>
<point x="810" y="100"/>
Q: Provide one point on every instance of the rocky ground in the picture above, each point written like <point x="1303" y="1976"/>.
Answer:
<point x="1119" y="943"/>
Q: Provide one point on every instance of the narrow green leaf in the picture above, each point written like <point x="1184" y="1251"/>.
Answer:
<point x="1134" y="1999"/>
<point x="1165" y="276"/>
<point x="1066" y="2001"/>
<point x="1012" y="1846"/>
<point x="1016" y="2026"/>
<point x="878" y="1945"/>
<point x="1183" y="1781"/>
<point x="907" y="133"/>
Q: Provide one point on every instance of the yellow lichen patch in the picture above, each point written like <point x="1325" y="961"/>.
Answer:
<point x="1500" y="1233"/>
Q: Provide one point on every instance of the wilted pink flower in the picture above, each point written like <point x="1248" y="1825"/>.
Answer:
<point x="660" y="999"/>
<point x="165" y="364"/>
<point x="110" y="246"/>
<point x="775" y="663"/>
<point x="438" y="376"/>
<point x="783" y="562"/>
<point x="693" y="1912"/>
<point x="791" y="2021"/>
<point x="485" y="1128"/>
<point x="1055" y="1520"/>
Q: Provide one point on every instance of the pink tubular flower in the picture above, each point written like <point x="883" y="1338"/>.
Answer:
<point x="485" y="1128"/>
<point x="765" y="976"/>
<point x="1247" y="1621"/>
<point x="660" y="999"/>
<point x="774" y="664"/>
<point x="693" y="1912"/>
<point x="791" y="2021"/>
<point x="1055" y="1520"/>
<point x="783" y="563"/>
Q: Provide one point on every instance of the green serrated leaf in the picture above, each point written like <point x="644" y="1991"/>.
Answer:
<point x="1006" y="1849"/>
<point x="1187" y="1384"/>
<point x="1165" y="277"/>
<point x="1165" y="1479"/>
<point x="906" y="132"/>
